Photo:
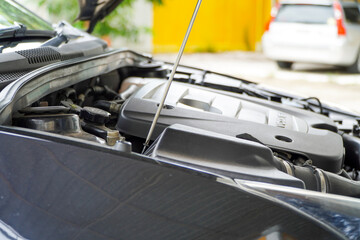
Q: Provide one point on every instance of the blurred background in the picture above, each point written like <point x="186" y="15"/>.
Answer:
<point x="264" y="41"/>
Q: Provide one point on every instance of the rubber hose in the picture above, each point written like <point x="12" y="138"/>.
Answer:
<point x="318" y="180"/>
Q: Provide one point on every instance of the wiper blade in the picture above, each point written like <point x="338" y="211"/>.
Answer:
<point x="10" y="37"/>
<point x="10" y="29"/>
<point x="20" y="31"/>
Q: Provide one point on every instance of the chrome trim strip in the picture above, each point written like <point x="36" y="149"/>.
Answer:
<point x="322" y="180"/>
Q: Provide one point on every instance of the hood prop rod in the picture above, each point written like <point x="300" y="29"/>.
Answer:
<point x="176" y="64"/>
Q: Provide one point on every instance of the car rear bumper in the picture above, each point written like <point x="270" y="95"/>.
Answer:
<point x="338" y="52"/>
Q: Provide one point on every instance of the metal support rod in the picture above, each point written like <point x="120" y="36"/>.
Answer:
<point x="176" y="64"/>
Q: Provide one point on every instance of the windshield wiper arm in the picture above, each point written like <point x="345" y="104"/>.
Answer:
<point x="56" y="41"/>
<point x="65" y="32"/>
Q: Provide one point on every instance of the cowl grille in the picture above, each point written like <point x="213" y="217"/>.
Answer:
<point x="5" y="77"/>
<point x="40" y="55"/>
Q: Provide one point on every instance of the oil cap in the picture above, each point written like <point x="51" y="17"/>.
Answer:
<point x="95" y="115"/>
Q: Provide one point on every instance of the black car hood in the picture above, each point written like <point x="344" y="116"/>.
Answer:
<point x="96" y="10"/>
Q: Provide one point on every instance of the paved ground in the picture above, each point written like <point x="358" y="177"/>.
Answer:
<point x="332" y="85"/>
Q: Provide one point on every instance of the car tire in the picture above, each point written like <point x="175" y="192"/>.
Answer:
<point x="355" y="68"/>
<point x="284" y="65"/>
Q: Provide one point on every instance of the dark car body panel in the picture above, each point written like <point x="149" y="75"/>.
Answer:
<point x="55" y="190"/>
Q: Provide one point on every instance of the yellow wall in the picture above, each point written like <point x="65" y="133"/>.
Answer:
<point x="221" y="25"/>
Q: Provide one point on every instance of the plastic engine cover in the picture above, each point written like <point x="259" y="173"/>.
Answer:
<point x="277" y="126"/>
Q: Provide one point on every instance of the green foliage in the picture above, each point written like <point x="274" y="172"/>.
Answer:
<point x="117" y="23"/>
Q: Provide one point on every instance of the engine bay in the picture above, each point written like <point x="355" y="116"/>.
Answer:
<point x="255" y="134"/>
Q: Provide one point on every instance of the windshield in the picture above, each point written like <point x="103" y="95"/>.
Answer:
<point x="312" y="14"/>
<point x="352" y="14"/>
<point x="12" y="13"/>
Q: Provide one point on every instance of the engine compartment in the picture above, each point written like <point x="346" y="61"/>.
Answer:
<point x="308" y="145"/>
<point x="279" y="127"/>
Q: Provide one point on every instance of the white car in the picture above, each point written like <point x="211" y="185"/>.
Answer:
<point x="316" y="31"/>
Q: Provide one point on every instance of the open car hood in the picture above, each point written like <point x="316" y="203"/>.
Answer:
<point x="96" y="10"/>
